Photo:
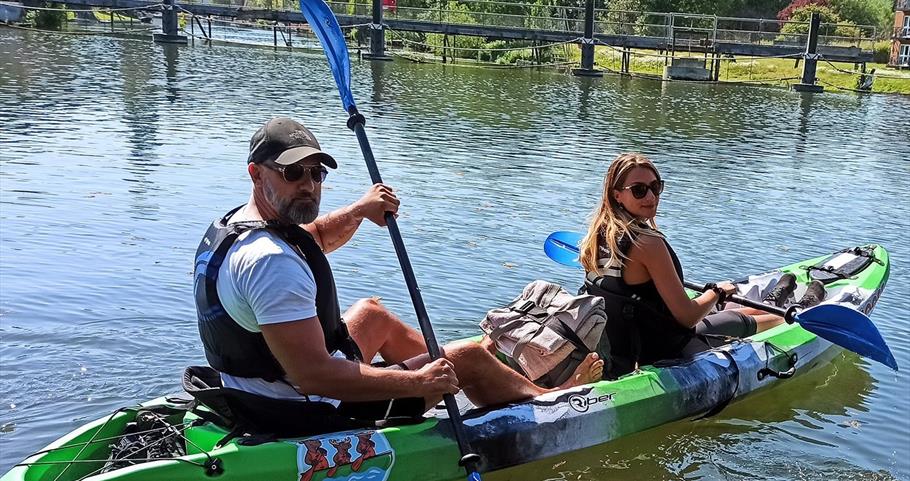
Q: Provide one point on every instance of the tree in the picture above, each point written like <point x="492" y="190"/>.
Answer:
<point x="799" y="21"/>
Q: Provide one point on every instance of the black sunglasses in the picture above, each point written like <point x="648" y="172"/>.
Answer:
<point x="640" y="189"/>
<point x="294" y="172"/>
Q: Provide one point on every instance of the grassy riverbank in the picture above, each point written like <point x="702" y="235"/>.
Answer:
<point x="770" y="71"/>
<point x="764" y="71"/>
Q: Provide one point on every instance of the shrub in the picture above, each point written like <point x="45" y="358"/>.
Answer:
<point x="47" y="19"/>
<point x="795" y="5"/>
<point x="881" y="52"/>
<point x="801" y="17"/>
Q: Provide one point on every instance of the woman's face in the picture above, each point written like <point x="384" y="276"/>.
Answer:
<point x="639" y="193"/>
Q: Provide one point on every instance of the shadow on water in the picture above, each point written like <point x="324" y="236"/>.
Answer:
<point x="811" y="409"/>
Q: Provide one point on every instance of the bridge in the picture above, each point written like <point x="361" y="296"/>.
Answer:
<point x="588" y="27"/>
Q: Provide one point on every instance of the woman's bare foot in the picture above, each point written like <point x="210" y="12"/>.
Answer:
<point x="590" y="370"/>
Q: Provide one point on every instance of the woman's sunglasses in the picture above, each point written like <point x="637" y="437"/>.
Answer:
<point x="294" y="172"/>
<point x="640" y="189"/>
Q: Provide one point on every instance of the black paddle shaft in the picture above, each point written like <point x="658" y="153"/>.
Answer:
<point x="788" y="314"/>
<point x="469" y="460"/>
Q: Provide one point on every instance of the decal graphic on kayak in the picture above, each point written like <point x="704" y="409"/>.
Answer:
<point x="581" y="403"/>
<point x="353" y="456"/>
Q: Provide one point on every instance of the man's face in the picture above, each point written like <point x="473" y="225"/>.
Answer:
<point x="295" y="201"/>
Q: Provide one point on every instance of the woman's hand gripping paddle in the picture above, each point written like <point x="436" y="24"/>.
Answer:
<point x="838" y="324"/>
<point x="324" y="23"/>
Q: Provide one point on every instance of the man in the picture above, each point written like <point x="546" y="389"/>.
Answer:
<point x="269" y="316"/>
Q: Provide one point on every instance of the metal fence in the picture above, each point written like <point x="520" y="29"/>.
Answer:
<point x="674" y="27"/>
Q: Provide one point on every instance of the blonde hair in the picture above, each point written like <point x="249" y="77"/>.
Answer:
<point x="610" y="222"/>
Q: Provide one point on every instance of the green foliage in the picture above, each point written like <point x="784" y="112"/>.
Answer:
<point x="799" y="22"/>
<point x="881" y="51"/>
<point x="47" y="19"/>
<point x="731" y="8"/>
<point x="866" y="12"/>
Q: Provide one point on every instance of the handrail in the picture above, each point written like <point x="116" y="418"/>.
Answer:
<point x="624" y="22"/>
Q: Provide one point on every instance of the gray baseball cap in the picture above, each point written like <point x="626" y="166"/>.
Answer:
<point x="286" y="141"/>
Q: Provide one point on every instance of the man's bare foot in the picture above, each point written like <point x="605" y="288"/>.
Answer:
<point x="590" y="370"/>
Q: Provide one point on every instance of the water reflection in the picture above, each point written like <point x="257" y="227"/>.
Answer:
<point x="171" y="54"/>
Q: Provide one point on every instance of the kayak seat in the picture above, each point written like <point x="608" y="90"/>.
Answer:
<point x="243" y="412"/>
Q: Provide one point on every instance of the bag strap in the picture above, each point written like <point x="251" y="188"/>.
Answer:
<point x="559" y="327"/>
<point x="496" y="333"/>
<point x="523" y="342"/>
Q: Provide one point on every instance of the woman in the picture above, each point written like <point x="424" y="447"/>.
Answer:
<point x="630" y="263"/>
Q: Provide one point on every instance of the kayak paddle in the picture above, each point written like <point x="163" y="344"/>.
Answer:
<point x="838" y="324"/>
<point x="325" y="25"/>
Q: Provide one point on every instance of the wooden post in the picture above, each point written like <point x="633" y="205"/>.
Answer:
<point x="112" y="20"/>
<point x="290" y="40"/>
<point x="209" y="21"/>
<point x="377" y="35"/>
<point x="587" y="45"/>
<point x="275" y="35"/>
<point x="807" y="84"/>
<point x="445" y="44"/>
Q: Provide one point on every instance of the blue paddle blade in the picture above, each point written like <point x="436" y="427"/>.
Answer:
<point x="848" y="328"/>
<point x="324" y="23"/>
<point x="562" y="247"/>
<point x="841" y="325"/>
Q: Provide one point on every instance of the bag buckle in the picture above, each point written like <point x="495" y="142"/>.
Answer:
<point x="525" y="307"/>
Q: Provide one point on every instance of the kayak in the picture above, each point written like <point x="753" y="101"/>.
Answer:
<point x="163" y="439"/>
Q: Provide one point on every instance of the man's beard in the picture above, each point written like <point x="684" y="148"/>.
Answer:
<point x="293" y="210"/>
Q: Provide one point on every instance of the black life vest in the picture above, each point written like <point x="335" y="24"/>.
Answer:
<point x="640" y="326"/>
<point x="230" y="348"/>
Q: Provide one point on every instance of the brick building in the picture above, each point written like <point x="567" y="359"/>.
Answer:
<point x="900" y="40"/>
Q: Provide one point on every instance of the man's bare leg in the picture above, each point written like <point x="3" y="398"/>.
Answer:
<point x="487" y="381"/>
<point x="376" y="330"/>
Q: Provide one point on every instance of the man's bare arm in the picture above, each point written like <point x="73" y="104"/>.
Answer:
<point x="336" y="228"/>
<point x="299" y="346"/>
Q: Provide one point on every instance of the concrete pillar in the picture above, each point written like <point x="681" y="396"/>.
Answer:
<point x="587" y="45"/>
<point x="807" y="83"/>
<point x="377" y="35"/>
<point x="169" y="27"/>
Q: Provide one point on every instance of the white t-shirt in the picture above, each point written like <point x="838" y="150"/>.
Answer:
<point x="264" y="281"/>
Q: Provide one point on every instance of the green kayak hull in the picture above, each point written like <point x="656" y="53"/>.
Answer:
<point x="510" y="435"/>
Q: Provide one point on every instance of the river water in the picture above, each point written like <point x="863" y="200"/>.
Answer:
<point x="115" y="155"/>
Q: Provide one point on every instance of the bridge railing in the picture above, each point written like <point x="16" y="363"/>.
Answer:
<point x="683" y="28"/>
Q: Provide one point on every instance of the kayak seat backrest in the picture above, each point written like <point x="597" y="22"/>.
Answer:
<point x="843" y="265"/>
<point x="256" y="414"/>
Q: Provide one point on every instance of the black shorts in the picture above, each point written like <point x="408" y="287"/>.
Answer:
<point x="408" y="407"/>
<point x="724" y="323"/>
<point x="727" y="323"/>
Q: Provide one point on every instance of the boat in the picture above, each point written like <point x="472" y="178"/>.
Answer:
<point x="163" y="439"/>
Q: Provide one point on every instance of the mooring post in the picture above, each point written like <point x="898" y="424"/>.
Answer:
<point x="112" y="20"/>
<point x="169" y="26"/>
<point x="807" y="83"/>
<point x="587" y="45"/>
<point x="275" y="35"/>
<point x="208" y="20"/>
<point x="377" y="35"/>
<point x="290" y="40"/>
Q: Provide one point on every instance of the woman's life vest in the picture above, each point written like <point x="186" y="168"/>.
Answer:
<point x="231" y="349"/>
<point x="640" y="327"/>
